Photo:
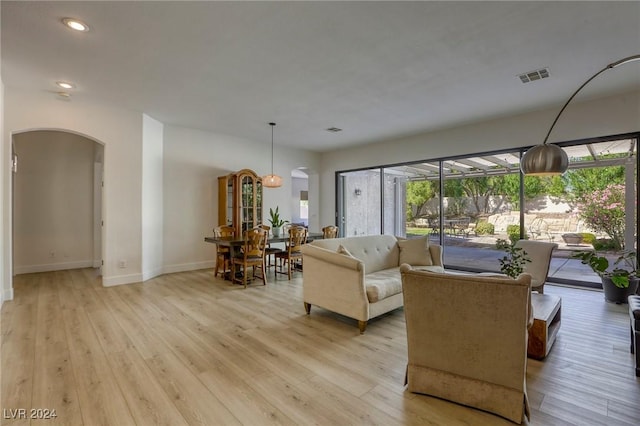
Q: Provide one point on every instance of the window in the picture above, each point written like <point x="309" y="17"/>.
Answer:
<point x="467" y="203"/>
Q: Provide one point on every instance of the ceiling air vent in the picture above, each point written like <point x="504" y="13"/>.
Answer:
<point x="534" y="75"/>
<point x="334" y="130"/>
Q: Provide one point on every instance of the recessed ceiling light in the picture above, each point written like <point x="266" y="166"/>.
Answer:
<point x="64" y="95"/>
<point x="334" y="129"/>
<point x="75" y="24"/>
<point x="65" y="84"/>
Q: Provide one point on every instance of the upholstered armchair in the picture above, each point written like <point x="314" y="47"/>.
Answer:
<point x="467" y="339"/>
<point x="539" y="252"/>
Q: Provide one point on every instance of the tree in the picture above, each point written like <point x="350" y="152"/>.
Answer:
<point x="534" y="186"/>
<point x="581" y="182"/>
<point x="418" y="194"/>
<point x="479" y="190"/>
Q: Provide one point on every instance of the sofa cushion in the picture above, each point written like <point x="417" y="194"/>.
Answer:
<point x="377" y="252"/>
<point x="415" y="251"/>
<point x="382" y="284"/>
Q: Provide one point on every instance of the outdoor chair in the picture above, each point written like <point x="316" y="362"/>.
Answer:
<point x="538" y="228"/>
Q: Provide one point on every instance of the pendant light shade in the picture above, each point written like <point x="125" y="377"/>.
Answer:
<point x="551" y="160"/>
<point x="271" y="180"/>
<point x="544" y="160"/>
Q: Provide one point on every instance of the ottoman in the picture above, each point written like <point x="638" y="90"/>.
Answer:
<point x="634" y="314"/>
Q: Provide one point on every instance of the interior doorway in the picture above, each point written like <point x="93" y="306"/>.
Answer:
<point x="300" y="196"/>
<point x="57" y="201"/>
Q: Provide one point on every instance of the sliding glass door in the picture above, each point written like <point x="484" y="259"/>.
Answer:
<point x="468" y="203"/>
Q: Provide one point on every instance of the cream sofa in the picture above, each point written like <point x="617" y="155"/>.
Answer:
<point x="467" y="339"/>
<point x="359" y="277"/>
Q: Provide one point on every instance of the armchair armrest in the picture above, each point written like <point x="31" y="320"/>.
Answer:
<point x="436" y="254"/>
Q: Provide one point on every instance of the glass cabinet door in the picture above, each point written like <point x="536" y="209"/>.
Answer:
<point x="258" y="202"/>
<point x="240" y="200"/>
<point x="229" y="203"/>
<point x="250" y="201"/>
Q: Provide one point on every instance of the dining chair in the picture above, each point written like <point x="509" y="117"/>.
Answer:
<point x="330" y="231"/>
<point x="223" y="253"/>
<point x="292" y="252"/>
<point x="270" y="251"/>
<point x="252" y="254"/>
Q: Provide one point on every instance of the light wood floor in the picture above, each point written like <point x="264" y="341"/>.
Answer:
<point x="190" y="349"/>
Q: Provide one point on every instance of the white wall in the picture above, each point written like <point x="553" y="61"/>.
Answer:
<point x="121" y="133"/>
<point x="6" y="289"/>
<point x="193" y="160"/>
<point x="609" y="116"/>
<point x="53" y="202"/>
<point x="152" y="205"/>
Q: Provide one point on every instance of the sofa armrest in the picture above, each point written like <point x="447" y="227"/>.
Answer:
<point x="335" y="282"/>
<point x="324" y="255"/>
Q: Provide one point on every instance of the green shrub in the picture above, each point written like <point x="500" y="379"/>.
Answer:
<point x="513" y="231"/>
<point x="588" y="238"/>
<point x="605" y="244"/>
<point x="485" y="228"/>
<point x="513" y="263"/>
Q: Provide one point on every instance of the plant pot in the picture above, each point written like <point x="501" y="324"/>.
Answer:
<point x="572" y="239"/>
<point x="615" y="294"/>
<point x="275" y="232"/>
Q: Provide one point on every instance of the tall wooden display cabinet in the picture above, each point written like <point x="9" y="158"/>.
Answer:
<point x="240" y="200"/>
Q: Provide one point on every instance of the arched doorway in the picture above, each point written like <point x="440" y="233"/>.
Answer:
<point x="57" y="201"/>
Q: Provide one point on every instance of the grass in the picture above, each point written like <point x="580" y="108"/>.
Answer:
<point x="418" y="231"/>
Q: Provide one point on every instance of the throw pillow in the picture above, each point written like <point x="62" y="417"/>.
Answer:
<point x="415" y="251"/>
<point x="343" y="250"/>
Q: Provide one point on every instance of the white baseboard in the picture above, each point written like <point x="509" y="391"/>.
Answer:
<point x="109" y="281"/>
<point x="184" y="267"/>
<point x="121" y="279"/>
<point x="6" y="295"/>
<point x="29" y="269"/>
<point x="147" y="275"/>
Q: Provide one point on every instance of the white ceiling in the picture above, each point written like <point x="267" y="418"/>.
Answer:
<point x="378" y="70"/>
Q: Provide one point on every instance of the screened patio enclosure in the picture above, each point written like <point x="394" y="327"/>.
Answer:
<point x="467" y="203"/>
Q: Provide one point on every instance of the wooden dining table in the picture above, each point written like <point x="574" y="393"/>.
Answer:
<point x="234" y="243"/>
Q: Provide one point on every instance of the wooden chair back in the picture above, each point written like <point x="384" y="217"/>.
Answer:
<point x="255" y="241"/>
<point x="297" y="237"/>
<point x="222" y="253"/>
<point x="293" y="250"/>
<point x="253" y="254"/>
<point x="224" y="231"/>
<point x="330" y="231"/>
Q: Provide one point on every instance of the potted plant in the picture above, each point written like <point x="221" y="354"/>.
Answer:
<point x="619" y="282"/>
<point x="276" y="221"/>
<point x="512" y="264"/>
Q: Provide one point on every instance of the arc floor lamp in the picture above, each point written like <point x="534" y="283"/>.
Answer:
<point x="550" y="160"/>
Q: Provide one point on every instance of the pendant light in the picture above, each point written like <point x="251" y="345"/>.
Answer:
<point x="272" y="181"/>
<point x="551" y="160"/>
